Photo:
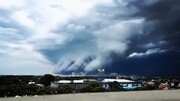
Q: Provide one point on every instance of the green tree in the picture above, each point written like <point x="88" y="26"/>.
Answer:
<point x="47" y="79"/>
<point x="65" y="88"/>
<point x="93" y="87"/>
<point x="115" y="86"/>
<point x="176" y="84"/>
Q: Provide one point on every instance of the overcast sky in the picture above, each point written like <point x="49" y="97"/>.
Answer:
<point x="132" y="37"/>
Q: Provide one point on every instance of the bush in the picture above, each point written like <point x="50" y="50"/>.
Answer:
<point x="13" y="90"/>
<point x="148" y="87"/>
<point x="115" y="86"/>
<point x="65" y="88"/>
<point x="93" y="87"/>
<point x="3" y="91"/>
<point x="47" y="79"/>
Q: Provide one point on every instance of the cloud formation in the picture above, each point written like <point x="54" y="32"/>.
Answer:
<point x="148" y="52"/>
<point x="81" y="36"/>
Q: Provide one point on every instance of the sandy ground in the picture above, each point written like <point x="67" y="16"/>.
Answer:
<point x="168" y="95"/>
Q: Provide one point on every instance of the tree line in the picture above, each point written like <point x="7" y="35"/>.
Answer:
<point x="14" y="85"/>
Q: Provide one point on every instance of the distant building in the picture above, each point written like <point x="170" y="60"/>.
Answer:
<point x="40" y="85"/>
<point x="31" y="83"/>
<point x="164" y="86"/>
<point x="124" y="83"/>
<point x="76" y="84"/>
<point x="79" y="84"/>
<point x="151" y="83"/>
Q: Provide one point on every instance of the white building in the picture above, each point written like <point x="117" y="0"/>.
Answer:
<point x="124" y="83"/>
<point x="79" y="84"/>
<point x="76" y="84"/>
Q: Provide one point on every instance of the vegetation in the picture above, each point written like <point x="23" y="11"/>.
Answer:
<point x="19" y="85"/>
<point x="22" y="90"/>
<point x="114" y="86"/>
<point x="93" y="87"/>
<point x="15" y="89"/>
<point x="47" y="79"/>
<point x="8" y="80"/>
<point x="65" y="88"/>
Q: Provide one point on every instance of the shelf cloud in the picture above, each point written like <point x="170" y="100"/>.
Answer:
<point x="81" y="36"/>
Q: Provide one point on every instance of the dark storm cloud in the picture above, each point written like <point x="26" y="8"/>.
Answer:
<point x="161" y="30"/>
<point x="97" y="34"/>
<point x="162" y="21"/>
<point x="158" y="64"/>
<point x="157" y="39"/>
<point x="122" y="36"/>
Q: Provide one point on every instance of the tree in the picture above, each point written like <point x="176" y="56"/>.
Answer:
<point x="65" y="88"/>
<point x="93" y="87"/>
<point x="149" y="87"/>
<point x="47" y="79"/>
<point x="176" y="84"/>
<point x="115" y="86"/>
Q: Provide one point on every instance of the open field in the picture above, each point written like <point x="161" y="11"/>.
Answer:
<point x="169" y="95"/>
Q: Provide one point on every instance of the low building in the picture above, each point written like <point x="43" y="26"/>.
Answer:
<point x="79" y="84"/>
<point x="30" y="83"/>
<point x="164" y="86"/>
<point x="60" y="82"/>
<point x="124" y="83"/>
<point x="76" y="84"/>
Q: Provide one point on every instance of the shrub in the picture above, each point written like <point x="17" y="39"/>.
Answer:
<point x="115" y="86"/>
<point x="65" y="88"/>
<point x="93" y="87"/>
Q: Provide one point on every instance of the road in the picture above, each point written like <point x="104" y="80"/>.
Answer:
<point x="166" y="95"/>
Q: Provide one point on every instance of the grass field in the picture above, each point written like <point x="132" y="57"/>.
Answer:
<point x="168" y="95"/>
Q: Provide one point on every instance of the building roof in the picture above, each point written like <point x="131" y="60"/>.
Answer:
<point x="64" y="81"/>
<point x="70" y="81"/>
<point x="78" y="81"/>
<point x="118" y="80"/>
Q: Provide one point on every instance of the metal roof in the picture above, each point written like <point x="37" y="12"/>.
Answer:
<point x="78" y="81"/>
<point x="64" y="81"/>
<point x="117" y="80"/>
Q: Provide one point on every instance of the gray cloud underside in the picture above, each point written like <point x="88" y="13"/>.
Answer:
<point x="93" y="36"/>
<point x="111" y="28"/>
<point x="84" y="41"/>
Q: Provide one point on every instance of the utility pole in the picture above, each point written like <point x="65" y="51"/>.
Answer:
<point x="101" y="71"/>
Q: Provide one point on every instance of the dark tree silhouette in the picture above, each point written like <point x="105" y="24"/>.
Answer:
<point x="115" y="86"/>
<point x="93" y="87"/>
<point x="47" y="79"/>
<point x="65" y="88"/>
